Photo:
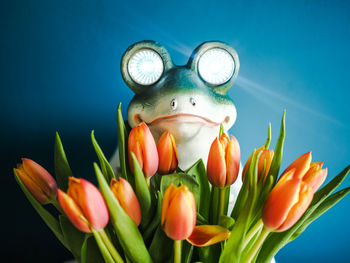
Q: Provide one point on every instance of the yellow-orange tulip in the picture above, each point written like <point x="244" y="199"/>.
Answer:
<point x="207" y="235"/>
<point x="293" y="193"/>
<point x="37" y="180"/>
<point x="84" y="205"/>
<point x="123" y="191"/>
<point x="265" y="158"/>
<point x="178" y="217"/>
<point x="142" y="144"/>
<point x="223" y="161"/>
<point x="168" y="159"/>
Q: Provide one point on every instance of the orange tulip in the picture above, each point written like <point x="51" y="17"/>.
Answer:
<point x="223" y="161"/>
<point x="123" y="191"/>
<point x="265" y="158"/>
<point x="293" y="193"/>
<point x="168" y="159"/>
<point x="178" y="217"/>
<point x="84" y="205"/>
<point x="142" y="144"/>
<point x="37" y="180"/>
<point x="207" y="235"/>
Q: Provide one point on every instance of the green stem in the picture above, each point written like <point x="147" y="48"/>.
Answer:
<point x="110" y="246"/>
<point x="257" y="245"/>
<point x="255" y="229"/>
<point x="221" y="207"/>
<point x="177" y="251"/>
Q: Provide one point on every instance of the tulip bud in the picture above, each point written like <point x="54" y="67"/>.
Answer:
<point x="178" y="217"/>
<point x="142" y="144"/>
<point x="37" y="180"/>
<point x="265" y="160"/>
<point x="168" y="159"/>
<point x="84" y="205"/>
<point x="223" y="161"/>
<point x="123" y="191"/>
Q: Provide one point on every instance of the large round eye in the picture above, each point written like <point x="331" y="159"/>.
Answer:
<point x="145" y="67"/>
<point x="216" y="66"/>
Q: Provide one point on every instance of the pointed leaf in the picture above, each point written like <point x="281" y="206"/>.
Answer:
<point x="103" y="249"/>
<point x="268" y="139"/>
<point x="126" y="230"/>
<point x="122" y="141"/>
<point x="107" y="170"/>
<point x="90" y="253"/>
<point x="62" y="168"/>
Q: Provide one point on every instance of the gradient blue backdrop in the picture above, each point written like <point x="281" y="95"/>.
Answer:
<point x="59" y="70"/>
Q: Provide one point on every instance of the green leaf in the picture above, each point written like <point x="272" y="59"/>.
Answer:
<point x="50" y="221"/>
<point x="161" y="248"/>
<point x="107" y="170"/>
<point x="321" y="209"/>
<point x="72" y="235"/>
<point x="125" y="228"/>
<point x="214" y="201"/>
<point x="277" y="157"/>
<point x="156" y="219"/>
<point x="199" y="172"/>
<point x="268" y="139"/>
<point x="90" y="253"/>
<point x="221" y="130"/>
<point x="142" y="192"/>
<point x="103" y="249"/>
<point x="276" y="241"/>
<point x="122" y="142"/>
<point x="181" y="179"/>
<point x="201" y="220"/>
<point x="62" y="168"/>
<point x="186" y="252"/>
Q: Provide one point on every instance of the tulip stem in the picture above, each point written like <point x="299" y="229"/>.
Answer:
<point x="110" y="246"/>
<point x="257" y="245"/>
<point x="221" y="207"/>
<point x="255" y="229"/>
<point x="177" y="251"/>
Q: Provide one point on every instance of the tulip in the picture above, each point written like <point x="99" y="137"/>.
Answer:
<point x="168" y="159"/>
<point x="207" y="235"/>
<point x="223" y="161"/>
<point x="142" y="144"/>
<point x="264" y="163"/>
<point x="293" y="193"/>
<point x="123" y="191"/>
<point x="37" y="180"/>
<point x="178" y="216"/>
<point x="84" y="205"/>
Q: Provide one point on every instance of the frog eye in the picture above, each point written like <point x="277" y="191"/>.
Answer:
<point x="216" y="66"/>
<point x="145" y="66"/>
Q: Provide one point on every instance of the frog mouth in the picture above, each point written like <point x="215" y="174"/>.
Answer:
<point x="184" y="118"/>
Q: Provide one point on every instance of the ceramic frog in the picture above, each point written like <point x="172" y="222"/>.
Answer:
<point x="189" y="101"/>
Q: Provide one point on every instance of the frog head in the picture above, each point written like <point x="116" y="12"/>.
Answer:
<point x="189" y="101"/>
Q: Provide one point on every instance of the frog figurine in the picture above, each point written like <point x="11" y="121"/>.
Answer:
<point x="189" y="101"/>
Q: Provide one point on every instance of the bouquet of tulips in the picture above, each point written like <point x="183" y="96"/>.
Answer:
<point x="152" y="211"/>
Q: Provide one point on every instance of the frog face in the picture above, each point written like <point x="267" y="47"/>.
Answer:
<point x="191" y="100"/>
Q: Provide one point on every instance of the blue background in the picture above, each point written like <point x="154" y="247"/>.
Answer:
<point x="59" y="70"/>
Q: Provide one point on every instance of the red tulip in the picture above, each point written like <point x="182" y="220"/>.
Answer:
<point x="207" y="235"/>
<point x="142" y="144"/>
<point x="293" y="193"/>
<point x="223" y="161"/>
<point x="123" y="191"/>
<point x="168" y="159"/>
<point x="37" y="180"/>
<point x="178" y="217"/>
<point x="265" y="159"/>
<point x="84" y="205"/>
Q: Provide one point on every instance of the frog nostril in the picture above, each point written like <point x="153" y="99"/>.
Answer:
<point x="173" y="104"/>
<point x="192" y="101"/>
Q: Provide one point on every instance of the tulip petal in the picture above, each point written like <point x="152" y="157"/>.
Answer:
<point x="315" y="176"/>
<point x="165" y="153"/>
<point x="206" y="235"/>
<point x="73" y="211"/>
<point x="305" y="198"/>
<point x="168" y="196"/>
<point x="301" y="165"/>
<point x="280" y="201"/>
<point x="233" y="158"/>
<point x="216" y="166"/>
<point x="149" y="150"/>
